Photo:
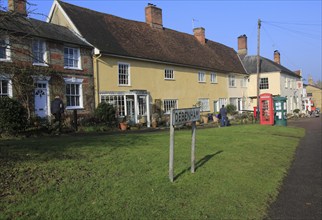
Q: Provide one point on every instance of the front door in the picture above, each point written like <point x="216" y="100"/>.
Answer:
<point x="41" y="104"/>
<point x="130" y="108"/>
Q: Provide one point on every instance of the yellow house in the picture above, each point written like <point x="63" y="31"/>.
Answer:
<point x="315" y="93"/>
<point x="273" y="78"/>
<point x="143" y="68"/>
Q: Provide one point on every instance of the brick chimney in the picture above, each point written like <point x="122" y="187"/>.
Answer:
<point x="242" y="45"/>
<point x="153" y="16"/>
<point x="277" y="57"/>
<point x="18" y="6"/>
<point x="200" y="35"/>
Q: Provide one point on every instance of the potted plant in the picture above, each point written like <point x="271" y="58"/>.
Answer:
<point x="155" y="119"/>
<point x="205" y="118"/>
<point x="124" y="125"/>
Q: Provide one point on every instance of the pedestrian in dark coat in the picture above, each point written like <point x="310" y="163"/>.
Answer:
<point x="223" y="114"/>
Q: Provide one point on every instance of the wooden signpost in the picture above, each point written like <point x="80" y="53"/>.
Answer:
<point x="179" y="117"/>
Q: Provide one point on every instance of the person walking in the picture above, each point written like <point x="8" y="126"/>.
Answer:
<point x="57" y="109"/>
<point x="223" y="114"/>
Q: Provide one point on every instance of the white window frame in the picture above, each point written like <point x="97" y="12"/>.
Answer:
<point x="201" y="77"/>
<point x="118" y="101"/>
<point x="7" y="49"/>
<point x="42" y="62"/>
<point x="168" y="104"/>
<point x="204" y="104"/>
<point x="286" y="86"/>
<point x="243" y="82"/>
<point x="232" y="80"/>
<point x="169" y="74"/>
<point x="74" y="81"/>
<point x="9" y="86"/>
<point x="213" y="77"/>
<point x="126" y="75"/>
<point x="261" y="83"/>
<point x="75" y="58"/>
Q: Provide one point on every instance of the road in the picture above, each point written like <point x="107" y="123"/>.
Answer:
<point x="301" y="194"/>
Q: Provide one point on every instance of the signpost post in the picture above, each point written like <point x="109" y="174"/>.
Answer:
<point x="179" y="117"/>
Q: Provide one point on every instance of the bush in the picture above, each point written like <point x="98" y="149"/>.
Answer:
<point x="106" y="113"/>
<point x="231" y="109"/>
<point x="296" y="111"/>
<point x="13" y="116"/>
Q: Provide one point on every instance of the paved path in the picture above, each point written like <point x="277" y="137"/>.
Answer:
<point x="301" y="194"/>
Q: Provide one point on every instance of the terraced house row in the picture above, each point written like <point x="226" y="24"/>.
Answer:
<point x="139" y="67"/>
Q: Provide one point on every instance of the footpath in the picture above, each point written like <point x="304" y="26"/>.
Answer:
<point x="300" y="196"/>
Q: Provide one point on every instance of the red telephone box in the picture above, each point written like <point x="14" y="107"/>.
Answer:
<point x="266" y="109"/>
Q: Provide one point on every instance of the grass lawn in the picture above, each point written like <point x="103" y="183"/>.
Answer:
<point x="238" y="173"/>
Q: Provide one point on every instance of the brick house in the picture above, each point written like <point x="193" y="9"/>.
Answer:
<point x="55" y="60"/>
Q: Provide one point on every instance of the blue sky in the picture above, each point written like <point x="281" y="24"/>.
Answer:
<point x="292" y="27"/>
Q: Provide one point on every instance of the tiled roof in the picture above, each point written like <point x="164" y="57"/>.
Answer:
<point x="36" y="28"/>
<point x="266" y="66"/>
<point x="117" y="36"/>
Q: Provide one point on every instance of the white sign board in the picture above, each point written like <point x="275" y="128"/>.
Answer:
<point x="184" y="115"/>
<point x="178" y="117"/>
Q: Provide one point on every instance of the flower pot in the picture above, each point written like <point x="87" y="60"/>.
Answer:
<point x="205" y="119"/>
<point x="154" y="124"/>
<point x="123" y="126"/>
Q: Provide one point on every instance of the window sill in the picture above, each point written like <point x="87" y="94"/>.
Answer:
<point x="40" y="64"/>
<point x="168" y="79"/>
<point x="72" y="68"/>
<point x="5" y="60"/>
<point x="201" y="81"/>
<point x="74" y="108"/>
<point x="123" y="85"/>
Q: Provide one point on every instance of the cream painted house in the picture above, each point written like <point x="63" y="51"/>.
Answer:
<point x="273" y="78"/>
<point x="144" y="68"/>
<point x="314" y="93"/>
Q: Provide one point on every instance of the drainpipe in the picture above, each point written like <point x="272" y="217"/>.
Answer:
<point x="96" y="57"/>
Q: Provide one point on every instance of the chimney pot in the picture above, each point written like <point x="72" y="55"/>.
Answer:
<point x="242" y="45"/>
<point x="18" y="6"/>
<point x="153" y="16"/>
<point x="277" y="57"/>
<point x="199" y="34"/>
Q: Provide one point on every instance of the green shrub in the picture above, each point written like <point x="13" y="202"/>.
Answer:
<point x="296" y="111"/>
<point x="231" y="109"/>
<point x="13" y="116"/>
<point x="106" y="113"/>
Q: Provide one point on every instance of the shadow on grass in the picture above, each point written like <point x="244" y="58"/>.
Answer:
<point x="199" y="164"/>
<point x="65" y="147"/>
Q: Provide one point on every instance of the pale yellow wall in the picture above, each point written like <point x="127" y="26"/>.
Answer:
<point x="274" y="86"/>
<point x="316" y="95"/>
<point x="150" y="76"/>
<point x="59" y="19"/>
<point x="273" y="80"/>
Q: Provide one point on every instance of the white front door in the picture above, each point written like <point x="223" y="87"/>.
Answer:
<point x="41" y="104"/>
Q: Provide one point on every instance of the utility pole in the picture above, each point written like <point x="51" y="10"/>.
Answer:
<point x="258" y="66"/>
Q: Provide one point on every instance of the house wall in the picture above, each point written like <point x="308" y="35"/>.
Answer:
<point x="274" y="86"/>
<point x="59" y="19"/>
<point x="150" y="76"/>
<point x="316" y="95"/>
<point x="290" y="90"/>
<point x="239" y="91"/>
